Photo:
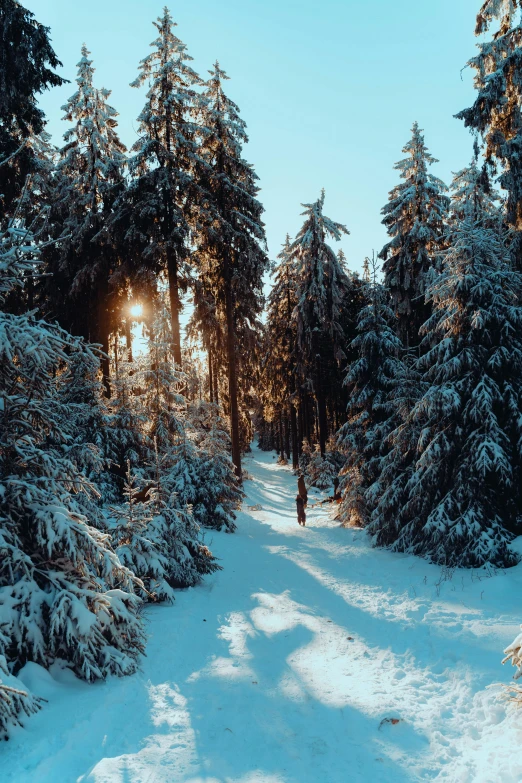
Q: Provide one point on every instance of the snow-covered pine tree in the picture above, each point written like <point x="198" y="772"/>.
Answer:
<point x="163" y="197"/>
<point x="175" y="465"/>
<point x="126" y="435"/>
<point x="221" y="492"/>
<point x="473" y="196"/>
<point x="279" y="362"/>
<point x="414" y="217"/>
<point x="91" y="171"/>
<point x="136" y="541"/>
<point x="27" y="63"/>
<point x="63" y="592"/>
<point x="231" y="235"/>
<point x="321" y="298"/>
<point x="462" y="502"/>
<point x="496" y="113"/>
<point x="369" y="380"/>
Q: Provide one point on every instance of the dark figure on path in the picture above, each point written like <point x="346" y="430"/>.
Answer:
<point x="301" y="488"/>
<point x="301" y="515"/>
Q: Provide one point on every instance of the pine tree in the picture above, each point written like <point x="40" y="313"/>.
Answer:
<point x="414" y="218"/>
<point x="92" y="174"/>
<point x="231" y="235"/>
<point x="496" y="113"/>
<point x="461" y="502"/>
<point x="27" y="60"/>
<point x="162" y="202"/>
<point x="369" y="381"/>
<point x="473" y="196"/>
<point x="280" y="370"/>
<point x="321" y="297"/>
<point x="130" y="535"/>
<point x="63" y="592"/>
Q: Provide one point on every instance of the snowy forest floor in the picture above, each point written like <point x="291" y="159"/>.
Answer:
<point x="289" y="666"/>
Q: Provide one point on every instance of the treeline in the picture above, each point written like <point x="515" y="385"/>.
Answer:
<point x="113" y="461"/>
<point x="411" y="376"/>
<point x="426" y="351"/>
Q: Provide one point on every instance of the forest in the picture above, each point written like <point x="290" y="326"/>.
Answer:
<point x="147" y="340"/>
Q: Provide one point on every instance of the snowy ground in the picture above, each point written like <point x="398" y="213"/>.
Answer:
<point x="288" y="666"/>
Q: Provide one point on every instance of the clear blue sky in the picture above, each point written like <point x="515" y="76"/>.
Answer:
<point x="329" y="90"/>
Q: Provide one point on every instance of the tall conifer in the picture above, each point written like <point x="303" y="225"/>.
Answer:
<point x="231" y="234"/>
<point x="414" y="218"/>
<point x="160" y="206"/>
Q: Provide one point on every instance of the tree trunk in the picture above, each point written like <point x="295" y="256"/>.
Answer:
<point x="322" y="419"/>
<point x="287" y="435"/>
<point x="281" y="439"/>
<point x="293" y="430"/>
<point x="175" y="306"/>
<point x="216" y="381"/>
<point x="103" y="337"/>
<point x="128" y="339"/>
<point x="232" y="380"/>
<point x="307" y="419"/>
<point x="210" y="378"/>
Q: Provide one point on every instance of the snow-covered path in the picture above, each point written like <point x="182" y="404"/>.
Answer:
<point x="289" y="666"/>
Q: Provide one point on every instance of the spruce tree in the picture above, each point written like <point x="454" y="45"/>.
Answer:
<point x="460" y="504"/>
<point x="321" y="298"/>
<point x="280" y="374"/>
<point x="473" y="196"/>
<point x="63" y="592"/>
<point x="92" y="174"/>
<point x="496" y="113"/>
<point x="414" y="217"/>
<point x="368" y="381"/>
<point x="162" y="202"/>
<point x="231" y="235"/>
<point x="27" y="63"/>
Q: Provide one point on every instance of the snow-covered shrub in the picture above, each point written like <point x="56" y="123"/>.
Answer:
<point x="14" y="701"/>
<point x="158" y="541"/>
<point x="126" y="439"/>
<point x="139" y="547"/>
<point x="193" y="446"/>
<point x="218" y="493"/>
<point x="334" y="453"/>
<point x="321" y="472"/>
<point x="305" y="457"/>
<point x="63" y="591"/>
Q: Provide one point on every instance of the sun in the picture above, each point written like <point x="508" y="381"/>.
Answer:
<point x="136" y="310"/>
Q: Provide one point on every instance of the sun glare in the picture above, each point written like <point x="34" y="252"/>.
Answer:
<point x="136" y="310"/>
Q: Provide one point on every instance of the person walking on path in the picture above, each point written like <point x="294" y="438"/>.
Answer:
<point x="301" y="489"/>
<point x="301" y="514"/>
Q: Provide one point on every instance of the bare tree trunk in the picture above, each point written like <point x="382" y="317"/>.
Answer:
<point x="175" y="306"/>
<point x="232" y="380"/>
<point x="287" y="435"/>
<point x="322" y="420"/>
<point x="210" y="378"/>
<point x="216" y="382"/>
<point x="103" y="337"/>
<point x="128" y="339"/>
<point x="293" y="427"/>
